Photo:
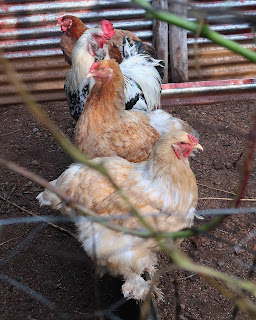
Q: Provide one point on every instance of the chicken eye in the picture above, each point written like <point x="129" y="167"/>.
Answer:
<point x="102" y="69"/>
<point x="182" y="142"/>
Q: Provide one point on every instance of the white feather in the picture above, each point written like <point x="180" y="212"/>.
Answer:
<point x="82" y="61"/>
<point x="163" y="121"/>
<point x="142" y="70"/>
<point x="47" y="198"/>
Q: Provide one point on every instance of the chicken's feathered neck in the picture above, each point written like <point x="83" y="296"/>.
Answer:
<point x="77" y="29"/>
<point x="109" y="96"/>
<point x="105" y="103"/>
<point x="172" y="182"/>
<point x="82" y="60"/>
<point x="164" y="165"/>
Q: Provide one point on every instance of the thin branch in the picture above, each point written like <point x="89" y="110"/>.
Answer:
<point x="6" y="134"/>
<point x="32" y="293"/>
<point x="67" y="199"/>
<point x="213" y="188"/>
<point x="22" y="245"/>
<point x="42" y="219"/>
<point x="226" y="199"/>
<point x="238" y="299"/>
<point x="143" y="234"/>
<point x="182" y="261"/>
<point x="9" y="240"/>
<point x="249" y="277"/>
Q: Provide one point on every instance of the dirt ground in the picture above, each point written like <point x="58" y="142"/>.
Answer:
<point x="43" y="268"/>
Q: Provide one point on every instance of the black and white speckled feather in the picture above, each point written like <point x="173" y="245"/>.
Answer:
<point x="76" y="99"/>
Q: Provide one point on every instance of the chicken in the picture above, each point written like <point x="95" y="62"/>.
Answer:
<point x="105" y="128"/>
<point x="142" y="72"/>
<point x="73" y="28"/>
<point x="163" y="184"/>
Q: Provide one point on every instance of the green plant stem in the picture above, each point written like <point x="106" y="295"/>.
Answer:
<point x="206" y="32"/>
<point x="182" y="261"/>
<point x="235" y="47"/>
<point x="97" y="218"/>
<point x="239" y="299"/>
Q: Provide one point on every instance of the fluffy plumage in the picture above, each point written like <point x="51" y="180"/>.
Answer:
<point x="163" y="183"/>
<point x="105" y="128"/>
<point x="142" y="73"/>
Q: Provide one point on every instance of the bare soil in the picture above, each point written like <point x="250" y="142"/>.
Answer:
<point x="44" y="268"/>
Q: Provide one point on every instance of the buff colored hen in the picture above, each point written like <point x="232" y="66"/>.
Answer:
<point x="105" y="128"/>
<point x="164" y="183"/>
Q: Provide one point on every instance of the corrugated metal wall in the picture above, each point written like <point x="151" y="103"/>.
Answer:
<point x="217" y="62"/>
<point x="30" y="38"/>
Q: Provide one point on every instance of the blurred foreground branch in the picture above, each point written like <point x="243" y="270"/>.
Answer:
<point x="209" y="275"/>
<point x="147" y="233"/>
<point x="181" y="260"/>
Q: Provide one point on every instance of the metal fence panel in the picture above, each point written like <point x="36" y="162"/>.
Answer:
<point x="30" y="37"/>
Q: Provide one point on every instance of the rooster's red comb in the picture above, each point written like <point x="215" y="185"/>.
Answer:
<point x="192" y="138"/>
<point x="107" y="28"/>
<point x="94" y="66"/>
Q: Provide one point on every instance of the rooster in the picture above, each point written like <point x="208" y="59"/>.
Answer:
<point x="105" y="128"/>
<point x="142" y="72"/>
<point x="163" y="184"/>
<point x="72" y="28"/>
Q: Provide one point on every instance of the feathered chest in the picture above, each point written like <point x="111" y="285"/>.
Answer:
<point x="172" y="189"/>
<point x="100" y="113"/>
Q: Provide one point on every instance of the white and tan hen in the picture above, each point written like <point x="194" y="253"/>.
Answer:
<point x="163" y="183"/>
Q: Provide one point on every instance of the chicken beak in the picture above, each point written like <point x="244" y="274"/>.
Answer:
<point x="59" y="22"/>
<point x="199" y="147"/>
<point x="90" y="74"/>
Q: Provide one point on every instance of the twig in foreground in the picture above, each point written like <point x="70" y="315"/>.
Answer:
<point x="36" y="215"/>
<point x="226" y="199"/>
<point x="22" y="245"/>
